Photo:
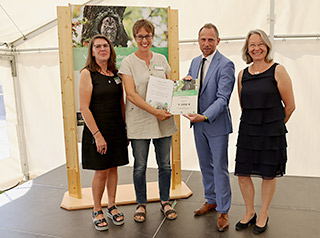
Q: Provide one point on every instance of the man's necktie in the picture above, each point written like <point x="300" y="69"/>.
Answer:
<point x="201" y="74"/>
<point x="201" y="81"/>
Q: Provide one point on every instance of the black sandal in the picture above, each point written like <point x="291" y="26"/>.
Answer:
<point x="115" y="216"/>
<point x="99" y="221"/>
<point x="141" y="214"/>
<point x="167" y="213"/>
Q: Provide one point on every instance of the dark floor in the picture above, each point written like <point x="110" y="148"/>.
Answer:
<point x="294" y="212"/>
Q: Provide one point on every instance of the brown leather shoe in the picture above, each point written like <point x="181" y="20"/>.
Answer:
<point x="205" y="209"/>
<point x="223" y="222"/>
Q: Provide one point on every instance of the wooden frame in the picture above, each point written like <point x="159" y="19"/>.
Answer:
<point x="173" y="50"/>
<point x="77" y="198"/>
<point x="68" y="100"/>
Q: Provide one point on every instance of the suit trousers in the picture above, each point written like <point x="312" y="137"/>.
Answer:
<point x="213" y="159"/>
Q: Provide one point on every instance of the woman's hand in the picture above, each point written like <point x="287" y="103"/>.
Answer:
<point x="188" y="78"/>
<point x="163" y="114"/>
<point x="100" y="143"/>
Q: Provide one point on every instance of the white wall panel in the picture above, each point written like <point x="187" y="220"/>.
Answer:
<point x="302" y="60"/>
<point x="42" y="110"/>
<point x="297" y="17"/>
<point x="232" y="17"/>
<point x="10" y="168"/>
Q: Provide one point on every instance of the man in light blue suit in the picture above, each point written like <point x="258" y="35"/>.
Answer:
<point x="212" y="124"/>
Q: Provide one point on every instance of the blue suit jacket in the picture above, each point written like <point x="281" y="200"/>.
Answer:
<point x="215" y="93"/>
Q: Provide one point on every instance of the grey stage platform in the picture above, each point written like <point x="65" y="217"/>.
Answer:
<point x="295" y="211"/>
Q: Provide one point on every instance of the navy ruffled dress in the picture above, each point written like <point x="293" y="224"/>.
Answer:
<point x="261" y="145"/>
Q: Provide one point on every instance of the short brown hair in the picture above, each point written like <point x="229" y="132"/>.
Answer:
<point x="147" y="25"/>
<point x="91" y="63"/>
<point x="245" y="53"/>
<point x="209" y="26"/>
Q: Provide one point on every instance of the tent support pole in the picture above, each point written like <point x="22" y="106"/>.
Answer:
<point x="20" y="126"/>
<point x="12" y="58"/>
<point x="272" y="21"/>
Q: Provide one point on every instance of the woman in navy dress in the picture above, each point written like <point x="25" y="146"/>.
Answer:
<point x="267" y="102"/>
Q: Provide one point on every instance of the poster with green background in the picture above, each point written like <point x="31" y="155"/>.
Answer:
<point x="116" y="23"/>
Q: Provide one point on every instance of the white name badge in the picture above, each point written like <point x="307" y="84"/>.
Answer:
<point x="158" y="67"/>
<point x="117" y="79"/>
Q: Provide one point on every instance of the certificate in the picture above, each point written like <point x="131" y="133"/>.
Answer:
<point x="185" y="97"/>
<point x="179" y="97"/>
<point x="159" y="93"/>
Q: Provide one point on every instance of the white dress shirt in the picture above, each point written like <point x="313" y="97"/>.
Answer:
<point x="206" y="65"/>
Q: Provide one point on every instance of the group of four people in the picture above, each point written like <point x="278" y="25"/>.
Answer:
<point x="266" y="99"/>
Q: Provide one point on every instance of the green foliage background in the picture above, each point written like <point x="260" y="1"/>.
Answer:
<point x="159" y="18"/>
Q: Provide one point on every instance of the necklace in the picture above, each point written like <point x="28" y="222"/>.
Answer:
<point x="106" y="73"/>
<point x="257" y="69"/>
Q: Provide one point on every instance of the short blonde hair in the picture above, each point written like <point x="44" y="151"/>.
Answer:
<point x="245" y="54"/>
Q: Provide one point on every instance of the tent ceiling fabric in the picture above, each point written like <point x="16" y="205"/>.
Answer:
<point x="27" y="16"/>
<point x="291" y="17"/>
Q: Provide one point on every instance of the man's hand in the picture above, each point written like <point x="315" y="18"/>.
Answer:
<point x="194" y="117"/>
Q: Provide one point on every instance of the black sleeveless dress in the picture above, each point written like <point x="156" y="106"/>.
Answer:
<point x="261" y="146"/>
<point x="106" y="110"/>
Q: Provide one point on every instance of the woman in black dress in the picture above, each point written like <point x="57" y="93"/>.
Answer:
<point x="104" y="139"/>
<point x="267" y="102"/>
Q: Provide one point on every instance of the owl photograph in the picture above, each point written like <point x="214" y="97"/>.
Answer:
<point x="104" y="20"/>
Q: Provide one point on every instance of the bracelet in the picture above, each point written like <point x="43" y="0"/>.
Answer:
<point x="96" y="132"/>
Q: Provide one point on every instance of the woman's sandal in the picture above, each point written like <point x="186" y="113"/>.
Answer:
<point x="97" y="222"/>
<point x="168" y="212"/>
<point x="115" y="216"/>
<point x="141" y="214"/>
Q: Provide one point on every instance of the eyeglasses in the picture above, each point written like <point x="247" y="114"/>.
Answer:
<point x="99" y="46"/>
<point x="140" y="37"/>
<point x="254" y="45"/>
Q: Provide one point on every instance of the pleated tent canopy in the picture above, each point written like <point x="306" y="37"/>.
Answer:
<point x="31" y="129"/>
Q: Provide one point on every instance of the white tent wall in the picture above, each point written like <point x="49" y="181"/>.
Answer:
<point x="39" y="77"/>
<point x="10" y="167"/>
<point x="302" y="60"/>
<point x="232" y="17"/>
<point x="297" y="17"/>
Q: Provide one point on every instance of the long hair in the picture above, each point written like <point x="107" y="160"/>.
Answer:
<point x="91" y="63"/>
<point x="245" y="53"/>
